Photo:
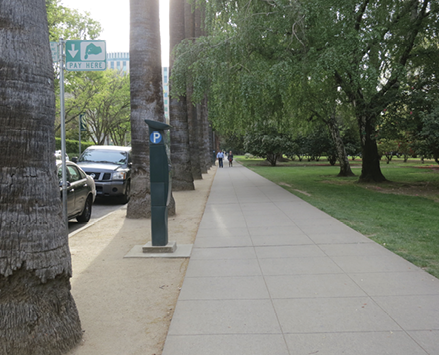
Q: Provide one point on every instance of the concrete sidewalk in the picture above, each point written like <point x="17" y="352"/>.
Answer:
<point x="271" y="274"/>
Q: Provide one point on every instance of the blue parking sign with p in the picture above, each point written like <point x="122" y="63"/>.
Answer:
<point x="155" y="137"/>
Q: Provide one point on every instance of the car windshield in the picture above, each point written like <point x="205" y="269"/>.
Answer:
<point x="104" y="156"/>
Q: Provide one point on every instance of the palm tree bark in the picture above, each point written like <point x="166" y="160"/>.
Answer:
<point x="146" y="98"/>
<point x="205" y="144"/>
<point x="189" y="23"/>
<point x="201" y="150"/>
<point x="201" y="120"/>
<point x="206" y="135"/>
<point x="182" y="178"/>
<point x="37" y="312"/>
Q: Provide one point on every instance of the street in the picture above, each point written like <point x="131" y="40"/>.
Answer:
<point x="101" y="207"/>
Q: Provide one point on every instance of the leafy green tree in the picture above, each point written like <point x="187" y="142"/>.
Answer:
<point x="368" y="47"/>
<point x="387" y="148"/>
<point x="268" y="143"/>
<point x="107" y="115"/>
<point x="69" y="23"/>
<point x="318" y="143"/>
<point x="357" y="53"/>
<point x="103" y="98"/>
<point x="298" y="148"/>
<point x="410" y="120"/>
<point x="234" y="143"/>
<point x="428" y="138"/>
<point x="249" y="81"/>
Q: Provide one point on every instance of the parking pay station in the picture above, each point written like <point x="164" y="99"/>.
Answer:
<point x="160" y="181"/>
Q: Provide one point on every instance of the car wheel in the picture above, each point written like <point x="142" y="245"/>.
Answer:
<point x="86" y="213"/>
<point x="126" y="197"/>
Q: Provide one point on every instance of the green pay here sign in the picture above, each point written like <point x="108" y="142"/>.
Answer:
<point x="86" y="55"/>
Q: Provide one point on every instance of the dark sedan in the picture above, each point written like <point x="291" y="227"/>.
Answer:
<point x="81" y="191"/>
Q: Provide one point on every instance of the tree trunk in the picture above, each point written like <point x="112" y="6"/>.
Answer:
<point x="371" y="170"/>
<point x="201" y="119"/>
<point x="211" y="146"/>
<point x="206" y="135"/>
<point x="189" y="24"/>
<point x="146" y="98"/>
<point x="37" y="312"/>
<point x="201" y="138"/>
<point x="182" y="178"/>
<point x="345" y="168"/>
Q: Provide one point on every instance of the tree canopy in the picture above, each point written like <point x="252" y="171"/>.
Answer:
<point x="101" y="97"/>
<point x="69" y="23"/>
<point x="285" y="61"/>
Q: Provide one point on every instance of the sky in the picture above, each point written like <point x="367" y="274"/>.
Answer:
<point x="114" y="17"/>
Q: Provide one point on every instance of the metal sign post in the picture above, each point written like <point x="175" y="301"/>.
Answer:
<point x="63" y="131"/>
<point x="81" y="128"/>
<point x="80" y="56"/>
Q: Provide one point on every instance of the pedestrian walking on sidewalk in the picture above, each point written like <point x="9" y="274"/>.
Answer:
<point x="220" y="157"/>
<point x="230" y="158"/>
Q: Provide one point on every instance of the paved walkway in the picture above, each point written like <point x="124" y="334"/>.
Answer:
<point x="271" y="275"/>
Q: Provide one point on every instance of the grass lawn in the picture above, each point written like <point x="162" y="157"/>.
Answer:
<point x="402" y="214"/>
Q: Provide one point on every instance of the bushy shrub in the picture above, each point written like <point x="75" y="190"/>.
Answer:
<point x="267" y="143"/>
<point x="72" y="146"/>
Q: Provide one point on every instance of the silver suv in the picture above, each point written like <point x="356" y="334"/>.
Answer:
<point x="110" y="167"/>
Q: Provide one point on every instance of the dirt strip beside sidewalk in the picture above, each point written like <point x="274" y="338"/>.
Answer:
<point x="126" y="305"/>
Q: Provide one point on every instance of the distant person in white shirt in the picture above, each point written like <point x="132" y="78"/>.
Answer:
<point x="220" y="157"/>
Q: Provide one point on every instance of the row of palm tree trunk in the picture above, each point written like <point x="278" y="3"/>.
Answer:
<point x="191" y="145"/>
<point x="191" y="136"/>
<point x="38" y="315"/>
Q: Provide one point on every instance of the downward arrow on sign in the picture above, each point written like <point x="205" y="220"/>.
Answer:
<point x="72" y="51"/>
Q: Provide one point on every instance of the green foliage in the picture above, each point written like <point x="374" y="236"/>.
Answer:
<point x="102" y="97"/>
<point x="351" y="141"/>
<point x="70" y="24"/>
<point x="72" y="146"/>
<point x="267" y="143"/>
<point x="318" y="143"/>
<point x="234" y="143"/>
<point x="288" y="62"/>
<point x="104" y="100"/>
<point x="428" y="138"/>
<point x="388" y="148"/>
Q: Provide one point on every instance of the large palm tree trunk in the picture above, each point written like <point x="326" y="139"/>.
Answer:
<point x="203" y="124"/>
<point x="146" y="97"/>
<point x="180" y="152"/>
<point x="193" y="126"/>
<point x="37" y="312"/>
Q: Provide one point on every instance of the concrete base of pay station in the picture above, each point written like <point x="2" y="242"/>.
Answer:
<point x="149" y="251"/>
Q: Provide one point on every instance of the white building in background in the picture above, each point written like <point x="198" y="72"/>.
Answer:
<point x="120" y="61"/>
<point x="165" y="78"/>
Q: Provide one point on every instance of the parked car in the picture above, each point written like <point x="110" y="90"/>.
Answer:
<point x="81" y="191"/>
<point x="58" y="155"/>
<point x="110" y="167"/>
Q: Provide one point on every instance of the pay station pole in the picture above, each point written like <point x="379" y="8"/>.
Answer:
<point x="160" y="189"/>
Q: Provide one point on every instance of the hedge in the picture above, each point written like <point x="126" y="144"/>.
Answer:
<point x="72" y="146"/>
